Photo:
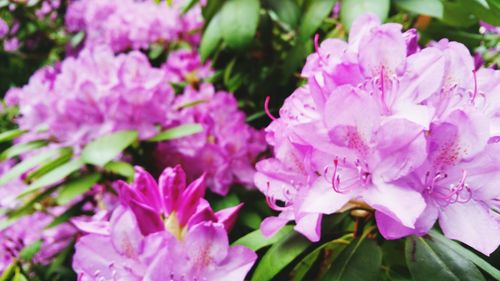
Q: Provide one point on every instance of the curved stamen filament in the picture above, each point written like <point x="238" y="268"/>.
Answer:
<point x="271" y="202"/>
<point x="266" y="108"/>
<point x="475" y="86"/>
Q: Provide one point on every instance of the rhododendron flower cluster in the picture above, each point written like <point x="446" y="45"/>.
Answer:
<point x="412" y="133"/>
<point x="162" y="231"/>
<point x="114" y="23"/>
<point x="225" y="149"/>
<point x="91" y="95"/>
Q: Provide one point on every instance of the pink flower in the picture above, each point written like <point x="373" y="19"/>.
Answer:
<point x="380" y="121"/>
<point x="226" y="148"/>
<point x="92" y="95"/>
<point x="162" y="231"/>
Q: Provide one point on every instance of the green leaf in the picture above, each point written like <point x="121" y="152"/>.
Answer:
<point x="361" y="260"/>
<point x="189" y="4"/>
<point x="4" y="223"/>
<point x="65" y="156"/>
<point x="427" y="259"/>
<point x="316" y="11"/>
<point x="76" y="187"/>
<point x="431" y="8"/>
<point x="334" y="248"/>
<point x="21" y="148"/>
<point x="53" y="176"/>
<point x="256" y="241"/>
<point x="26" y="165"/>
<point x="282" y="253"/>
<point x="351" y="9"/>
<point x="69" y="213"/>
<point x="177" y="132"/>
<point x="9" y="272"/>
<point x="287" y="10"/>
<point x="28" y="252"/>
<point x="481" y="263"/>
<point x="108" y="147"/>
<point x="29" y="207"/>
<point x="211" y="38"/>
<point x="19" y="276"/>
<point x="10" y="135"/>
<point x="120" y="168"/>
<point x="238" y="22"/>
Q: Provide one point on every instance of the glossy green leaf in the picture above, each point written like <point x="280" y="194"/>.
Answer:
<point x="238" y="22"/>
<point x="10" y="135"/>
<point x="76" y="187"/>
<point x="351" y="9"/>
<point x="334" y="248"/>
<point x="431" y="8"/>
<point x="481" y="263"/>
<point x="21" y="148"/>
<point x="123" y="169"/>
<point x="281" y="254"/>
<point x="108" y="147"/>
<point x="28" y="252"/>
<point x="53" y="176"/>
<point x="27" y="164"/>
<point x="211" y="38"/>
<point x="65" y="156"/>
<point x="428" y="259"/>
<point x="359" y="261"/>
<point x="315" y="12"/>
<point x="256" y="241"/>
<point x="177" y="132"/>
<point x="288" y="11"/>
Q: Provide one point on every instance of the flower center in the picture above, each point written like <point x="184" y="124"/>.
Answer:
<point x="446" y="195"/>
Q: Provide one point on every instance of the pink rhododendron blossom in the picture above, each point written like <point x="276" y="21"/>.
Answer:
<point x="162" y="231"/>
<point x="92" y="95"/>
<point x="115" y="23"/>
<point x="186" y="66"/>
<point x="409" y="131"/>
<point x="226" y="148"/>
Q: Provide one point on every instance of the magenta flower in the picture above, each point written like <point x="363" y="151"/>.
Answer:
<point x="403" y="130"/>
<point x="114" y="23"/>
<point x="227" y="147"/>
<point x="92" y="95"/>
<point x="162" y="231"/>
<point x="186" y="66"/>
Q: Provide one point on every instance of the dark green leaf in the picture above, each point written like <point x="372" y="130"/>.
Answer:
<point x="177" y="132"/>
<point x="120" y="168"/>
<point x="29" y="206"/>
<point x="28" y="252"/>
<point x="316" y="11"/>
<point x="69" y="213"/>
<point x="427" y="259"/>
<point x="76" y="187"/>
<point x="282" y="253"/>
<point x="189" y="4"/>
<point x="287" y="10"/>
<point x="334" y="248"/>
<point x="256" y="241"/>
<point x="108" y="147"/>
<point x="21" y="148"/>
<point x="351" y="9"/>
<point x="26" y="165"/>
<point x="481" y="263"/>
<point x="238" y="22"/>
<point x="10" y="135"/>
<point x="53" y="176"/>
<point x="360" y="261"/>
<point x="211" y="38"/>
